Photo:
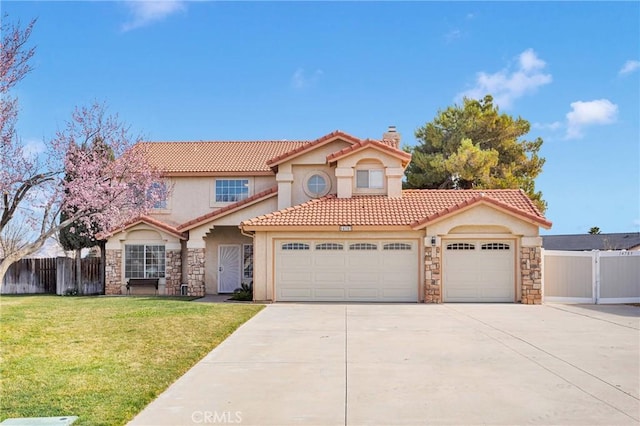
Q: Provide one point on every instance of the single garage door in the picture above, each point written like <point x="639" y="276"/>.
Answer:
<point x="363" y="271"/>
<point x="478" y="271"/>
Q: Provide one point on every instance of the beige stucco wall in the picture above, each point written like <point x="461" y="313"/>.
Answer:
<point x="480" y="216"/>
<point x="191" y="197"/>
<point x="303" y="172"/>
<point x="264" y="253"/>
<point x="291" y="193"/>
<point x="370" y="158"/>
<point x="198" y="235"/>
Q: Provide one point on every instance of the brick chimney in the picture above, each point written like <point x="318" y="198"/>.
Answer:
<point x="391" y="137"/>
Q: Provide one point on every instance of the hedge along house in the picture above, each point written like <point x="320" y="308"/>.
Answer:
<point x="325" y="220"/>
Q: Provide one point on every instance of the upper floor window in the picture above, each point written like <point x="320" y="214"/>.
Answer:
<point x="317" y="184"/>
<point x="158" y="192"/>
<point x="231" y="190"/>
<point x="373" y="178"/>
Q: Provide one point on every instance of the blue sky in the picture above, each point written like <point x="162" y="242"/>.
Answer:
<point x="297" y="70"/>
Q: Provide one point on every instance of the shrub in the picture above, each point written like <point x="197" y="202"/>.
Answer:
<point x="244" y="292"/>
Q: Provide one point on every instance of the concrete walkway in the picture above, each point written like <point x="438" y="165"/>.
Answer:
<point x="404" y="364"/>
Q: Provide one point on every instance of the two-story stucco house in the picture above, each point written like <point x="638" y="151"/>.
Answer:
<point x="325" y="220"/>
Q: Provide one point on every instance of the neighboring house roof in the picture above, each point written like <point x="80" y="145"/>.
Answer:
<point x="338" y="134"/>
<point x="415" y="208"/>
<point x="154" y="223"/>
<point x="219" y="158"/>
<point x="239" y="205"/>
<point x="582" y="242"/>
<point x="405" y="157"/>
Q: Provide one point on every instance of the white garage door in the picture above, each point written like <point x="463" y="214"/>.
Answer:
<point x="478" y="271"/>
<point x="365" y="271"/>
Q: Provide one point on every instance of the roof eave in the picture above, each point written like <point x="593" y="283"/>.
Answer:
<point x="147" y="221"/>
<point x="469" y="204"/>
<point x="225" y="211"/>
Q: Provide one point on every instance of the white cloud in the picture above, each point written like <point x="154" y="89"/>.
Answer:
<point x="629" y="67"/>
<point x="508" y="85"/>
<point x="301" y="80"/>
<point x="145" y="12"/>
<point x="583" y="114"/>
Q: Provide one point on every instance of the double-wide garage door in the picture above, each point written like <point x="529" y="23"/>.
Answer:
<point x="360" y="270"/>
<point x="478" y="271"/>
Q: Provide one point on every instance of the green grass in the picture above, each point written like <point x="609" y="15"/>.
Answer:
<point x="102" y="358"/>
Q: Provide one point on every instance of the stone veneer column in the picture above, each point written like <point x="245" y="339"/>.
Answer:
<point x="113" y="272"/>
<point x="432" y="275"/>
<point x="531" y="269"/>
<point x="173" y="272"/>
<point x="195" y="271"/>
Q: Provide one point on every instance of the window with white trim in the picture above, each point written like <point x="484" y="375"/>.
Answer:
<point x="144" y="261"/>
<point x="372" y="178"/>
<point x="317" y="185"/>
<point x="397" y="246"/>
<point x="159" y="193"/>
<point x="363" y="246"/>
<point x="495" y="246"/>
<point x="231" y="190"/>
<point x="461" y="246"/>
<point x="295" y="246"/>
<point x="247" y="261"/>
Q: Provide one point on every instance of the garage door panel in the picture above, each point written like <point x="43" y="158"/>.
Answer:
<point x="296" y="276"/>
<point x="334" y="261"/>
<point x="294" y="261"/>
<point x="362" y="293"/>
<point x="359" y="260"/>
<point x="329" y="293"/>
<point x="474" y="274"/>
<point x="399" y="294"/>
<point x="298" y="293"/>
<point x="354" y="270"/>
<point x="329" y="279"/>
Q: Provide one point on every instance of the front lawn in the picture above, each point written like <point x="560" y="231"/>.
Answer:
<point x="102" y="358"/>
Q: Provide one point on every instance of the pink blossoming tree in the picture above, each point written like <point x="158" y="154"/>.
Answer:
<point x="108" y="189"/>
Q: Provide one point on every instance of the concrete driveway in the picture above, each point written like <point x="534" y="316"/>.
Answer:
<point x="402" y="364"/>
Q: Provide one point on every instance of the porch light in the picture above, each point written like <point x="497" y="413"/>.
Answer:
<point x="433" y="241"/>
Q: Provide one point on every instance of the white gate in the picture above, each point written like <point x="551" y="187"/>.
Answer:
<point x="591" y="277"/>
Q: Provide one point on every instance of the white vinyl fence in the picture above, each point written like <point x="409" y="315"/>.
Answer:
<point x="591" y="277"/>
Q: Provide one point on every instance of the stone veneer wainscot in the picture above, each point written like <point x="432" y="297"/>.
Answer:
<point x="531" y="269"/>
<point x="432" y="275"/>
<point x="195" y="275"/>
<point x="113" y="272"/>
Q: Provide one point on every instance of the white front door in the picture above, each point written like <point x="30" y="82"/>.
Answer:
<point x="229" y="268"/>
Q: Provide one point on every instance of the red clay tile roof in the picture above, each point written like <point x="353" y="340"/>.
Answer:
<point x="415" y="209"/>
<point x="149" y="221"/>
<point x="307" y="147"/>
<point x="380" y="146"/>
<point x="175" y="158"/>
<point x="229" y="209"/>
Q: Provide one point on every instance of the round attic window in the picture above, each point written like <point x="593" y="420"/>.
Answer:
<point x="317" y="184"/>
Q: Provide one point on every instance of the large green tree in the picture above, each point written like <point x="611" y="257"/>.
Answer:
<point x="474" y="146"/>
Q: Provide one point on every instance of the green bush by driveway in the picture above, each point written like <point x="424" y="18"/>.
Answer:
<point x="102" y="358"/>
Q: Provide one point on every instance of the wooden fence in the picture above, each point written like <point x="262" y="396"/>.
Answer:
<point x="591" y="277"/>
<point x="52" y="276"/>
